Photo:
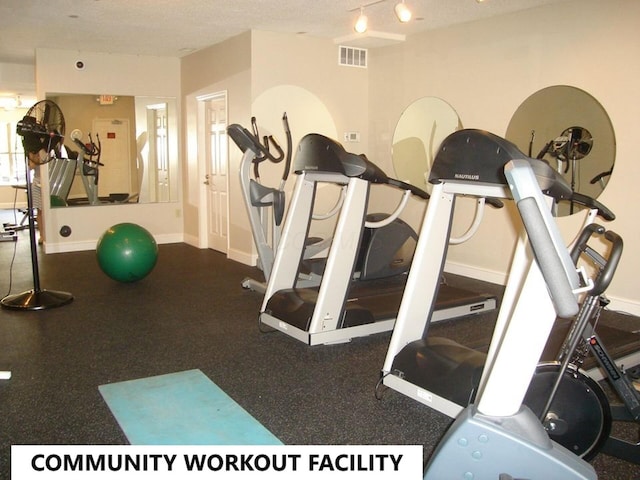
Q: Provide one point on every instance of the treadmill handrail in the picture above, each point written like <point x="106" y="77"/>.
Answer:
<point x="407" y="186"/>
<point x="393" y="215"/>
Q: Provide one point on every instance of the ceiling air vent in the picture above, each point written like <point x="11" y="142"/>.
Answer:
<point x="352" y="57"/>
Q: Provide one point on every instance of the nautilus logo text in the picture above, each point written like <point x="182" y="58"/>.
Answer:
<point x="467" y="176"/>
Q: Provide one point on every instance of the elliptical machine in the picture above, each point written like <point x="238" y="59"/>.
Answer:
<point x="88" y="159"/>
<point x="261" y="201"/>
<point x="265" y="205"/>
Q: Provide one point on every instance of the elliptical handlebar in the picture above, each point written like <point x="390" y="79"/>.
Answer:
<point x="262" y="150"/>
<point x="90" y="149"/>
<point x="287" y="131"/>
<point x="247" y="140"/>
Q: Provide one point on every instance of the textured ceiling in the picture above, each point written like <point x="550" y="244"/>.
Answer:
<point x="177" y="27"/>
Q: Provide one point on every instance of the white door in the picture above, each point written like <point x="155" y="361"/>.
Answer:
<point x="215" y="179"/>
<point x="115" y="173"/>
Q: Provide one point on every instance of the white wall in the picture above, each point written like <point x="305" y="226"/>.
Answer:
<point x="486" y="69"/>
<point x="115" y="75"/>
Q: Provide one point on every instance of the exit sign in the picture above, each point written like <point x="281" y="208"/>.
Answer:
<point x="106" y="99"/>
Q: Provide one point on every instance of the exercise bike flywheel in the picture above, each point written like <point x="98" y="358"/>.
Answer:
<point x="579" y="418"/>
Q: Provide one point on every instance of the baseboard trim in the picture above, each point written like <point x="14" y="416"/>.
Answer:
<point x="65" y="247"/>
<point x="242" y="257"/>
<point x="491" y="276"/>
<point x="618" y="304"/>
<point x="623" y="305"/>
<point x="192" y="240"/>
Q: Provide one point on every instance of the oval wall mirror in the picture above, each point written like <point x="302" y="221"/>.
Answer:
<point x="420" y="130"/>
<point x="571" y="130"/>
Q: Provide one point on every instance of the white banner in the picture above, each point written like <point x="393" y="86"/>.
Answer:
<point x="69" y="462"/>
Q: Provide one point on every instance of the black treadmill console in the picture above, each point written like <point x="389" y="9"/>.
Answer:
<point x="477" y="156"/>
<point x="317" y="153"/>
<point x="474" y="156"/>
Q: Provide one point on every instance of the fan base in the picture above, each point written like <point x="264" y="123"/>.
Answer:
<point x="36" y="300"/>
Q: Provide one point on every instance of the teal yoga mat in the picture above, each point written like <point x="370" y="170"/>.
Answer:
<point x="184" y="408"/>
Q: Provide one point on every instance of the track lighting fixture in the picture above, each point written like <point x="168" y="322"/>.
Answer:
<point x="402" y="12"/>
<point x="361" y="23"/>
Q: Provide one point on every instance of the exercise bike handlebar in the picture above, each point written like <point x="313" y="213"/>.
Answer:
<point x="606" y="266"/>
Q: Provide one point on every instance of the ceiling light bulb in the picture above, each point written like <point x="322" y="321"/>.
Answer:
<point x="402" y="12"/>
<point x="361" y="23"/>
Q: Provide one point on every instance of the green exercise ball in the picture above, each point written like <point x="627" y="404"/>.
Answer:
<point x="127" y="252"/>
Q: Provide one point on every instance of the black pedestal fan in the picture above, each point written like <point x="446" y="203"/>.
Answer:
<point x="42" y="131"/>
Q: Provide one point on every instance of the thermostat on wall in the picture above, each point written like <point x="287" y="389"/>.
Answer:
<point x="351" y="136"/>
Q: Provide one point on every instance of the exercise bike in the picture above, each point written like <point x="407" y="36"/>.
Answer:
<point x="558" y="388"/>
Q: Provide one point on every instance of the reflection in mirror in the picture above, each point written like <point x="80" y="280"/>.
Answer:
<point x="418" y="134"/>
<point x="120" y="149"/>
<point x="571" y="130"/>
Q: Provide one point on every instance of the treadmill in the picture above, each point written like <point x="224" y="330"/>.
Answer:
<point x="342" y="307"/>
<point x="437" y="371"/>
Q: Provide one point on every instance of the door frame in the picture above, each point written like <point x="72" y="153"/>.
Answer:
<point x="203" y="217"/>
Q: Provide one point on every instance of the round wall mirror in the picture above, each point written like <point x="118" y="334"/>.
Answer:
<point x="568" y="128"/>
<point x="418" y="134"/>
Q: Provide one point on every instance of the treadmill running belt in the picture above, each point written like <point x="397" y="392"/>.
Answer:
<point x="368" y="303"/>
